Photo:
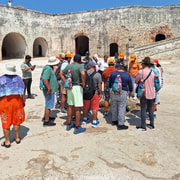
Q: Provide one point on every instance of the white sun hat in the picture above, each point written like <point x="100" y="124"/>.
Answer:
<point x="10" y="69"/>
<point x="53" y="61"/>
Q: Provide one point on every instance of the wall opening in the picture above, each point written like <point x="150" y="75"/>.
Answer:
<point x="13" y="46"/>
<point x="82" y="45"/>
<point x="160" y="37"/>
<point x="113" y="49"/>
<point x="40" y="47"/>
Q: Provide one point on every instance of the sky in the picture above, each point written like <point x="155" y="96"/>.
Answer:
<point x="67" y="6"/>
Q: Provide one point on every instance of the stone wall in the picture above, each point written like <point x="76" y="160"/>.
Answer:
<point x="101" y="27"/>
<point x="166" y="49"/>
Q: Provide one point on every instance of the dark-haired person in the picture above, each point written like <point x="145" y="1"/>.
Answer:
<point x="146" y="102"/>
<point x="27" y="69"/>
<point x="75" y="94"/>
<point x="119" y="99"/>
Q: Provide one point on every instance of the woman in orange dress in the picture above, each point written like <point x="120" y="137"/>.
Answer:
<point x="12" y="101"/>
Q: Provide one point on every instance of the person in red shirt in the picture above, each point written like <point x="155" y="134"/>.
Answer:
<point x="105" y="75"/>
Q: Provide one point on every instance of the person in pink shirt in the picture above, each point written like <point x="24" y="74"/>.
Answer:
<point x="146" y="102"/>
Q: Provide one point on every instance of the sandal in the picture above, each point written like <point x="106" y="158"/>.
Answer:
<point x="17" y="142"/>
<point x="5" y="145"/>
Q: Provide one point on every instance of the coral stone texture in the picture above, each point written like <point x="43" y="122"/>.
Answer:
<point x="153" y="31"/>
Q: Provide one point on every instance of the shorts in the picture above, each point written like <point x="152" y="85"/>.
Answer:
<point x="49" y="100"/>
<point x="106" y="94"/>
<point x="63" y="89"/>
<point x="11" y="111"/>
<point x="75" y="96"/>
<point x="93" y="103"/>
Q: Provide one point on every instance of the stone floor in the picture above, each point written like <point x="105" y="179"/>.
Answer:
<point x="102" y="153"/>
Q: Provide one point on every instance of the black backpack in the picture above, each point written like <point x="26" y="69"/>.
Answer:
<point x="89" y="88"/>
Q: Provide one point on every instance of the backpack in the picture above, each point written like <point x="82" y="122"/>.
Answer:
<point x="140" y="89"/>
<point x="156" y="79"/>
<point x="89" y="88"/>
<point x="117" y="85"/>
<point x="57" y="72"/>
<point x="68" y="80"/>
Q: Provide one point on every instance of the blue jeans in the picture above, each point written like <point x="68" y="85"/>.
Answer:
<point x="146" y="104"/>
<point x="49" y="100"/>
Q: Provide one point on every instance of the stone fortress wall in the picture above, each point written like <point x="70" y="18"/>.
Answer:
<point x="105" y="31"/>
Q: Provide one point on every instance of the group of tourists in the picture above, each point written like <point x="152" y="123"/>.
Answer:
<point x="81" y="85"/>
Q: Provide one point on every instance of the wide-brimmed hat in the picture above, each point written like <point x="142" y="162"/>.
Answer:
<point x="10" y="69"/>
<point x="132" y="57"/>
<point x="146" y="61"/>
<point x="53" y="61"/>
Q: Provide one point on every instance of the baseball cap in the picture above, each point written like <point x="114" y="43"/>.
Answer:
<point x="132" y="57"/>
<point x="111" y="61"/>
<point x="121" y="55"/>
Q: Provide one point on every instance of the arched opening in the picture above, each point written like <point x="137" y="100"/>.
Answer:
<point x="82" y="45"/>
<point x="113" y="49"/>
<point x="160" y="37"/>
<point x="13" y="46"/>
<point x="40" y="47"/>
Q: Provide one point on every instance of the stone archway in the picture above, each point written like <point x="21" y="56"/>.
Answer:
<point x="13" y="46"/>
<point x="160" y="37"/>
<point x="113" y="49"/>
<point x="81" y="45"/>
<point x="40" y="47"/>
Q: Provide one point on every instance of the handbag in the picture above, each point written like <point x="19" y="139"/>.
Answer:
<point x="140" y="89"/>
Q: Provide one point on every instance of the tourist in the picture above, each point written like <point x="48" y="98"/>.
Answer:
<point x="12" y="102"/>
<point x="68" y="57"/>
<point x="27" y="69"/>
<point x="134" y="67"/>
<point x="119" y="98"/>
<point x="75" y="93"/>
<point x="116" y="58"/>
<point x="146" y="102"/>
<point x="93" y="103"/>
<point x="105" y="76"/>
<point x="86" y="59"/>
<point x="50" y="89"/>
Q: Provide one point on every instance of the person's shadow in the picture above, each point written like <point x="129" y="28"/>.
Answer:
<point x="22" y="133"/>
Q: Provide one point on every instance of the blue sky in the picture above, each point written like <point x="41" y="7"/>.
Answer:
<point x="65" y="6"/>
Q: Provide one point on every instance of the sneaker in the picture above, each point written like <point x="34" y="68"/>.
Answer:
<point x="79" y="129"/>
<point x="49" y="123"/>
<point x="94" y="124"/>
<point x="73" y="117"/>
<point x="114" y="123"/>
<point x="105" y="113"/>
<point x="70" y="126"/>
<point x="63" y="111"/>
<point x="141" y="128"/>
<point x="121" y="127"/>
<point x="150" y="126"/>
<point x="85" y="120"/>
